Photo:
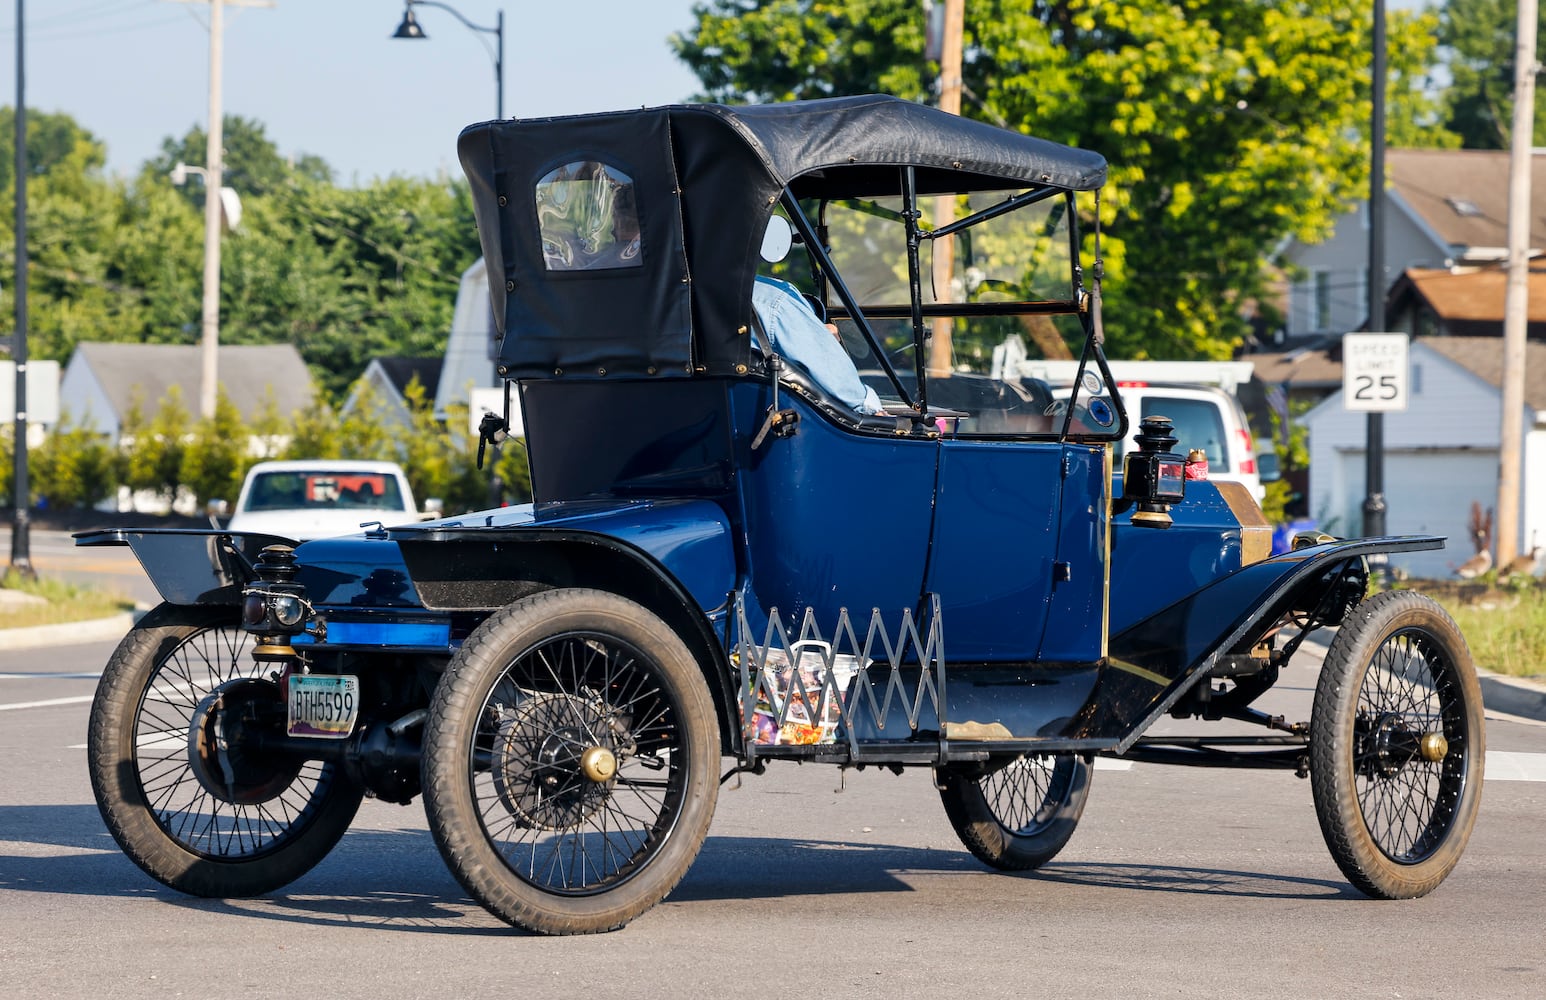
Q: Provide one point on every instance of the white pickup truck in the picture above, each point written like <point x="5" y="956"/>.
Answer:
<point x="318" y="498"/>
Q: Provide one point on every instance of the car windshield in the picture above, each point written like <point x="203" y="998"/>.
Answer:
<point x="322" y="489"/>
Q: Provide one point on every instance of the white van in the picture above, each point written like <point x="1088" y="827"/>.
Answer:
<point x="1197" y="396"/>
<point x="1204" y="417"/>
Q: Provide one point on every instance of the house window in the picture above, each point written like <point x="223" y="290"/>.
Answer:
<point x="1320" y="300"/>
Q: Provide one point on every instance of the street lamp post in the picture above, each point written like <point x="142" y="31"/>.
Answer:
<point x="1374" y="450"/>
<point x="409" y="28"/>
<point x="21" y="548"/>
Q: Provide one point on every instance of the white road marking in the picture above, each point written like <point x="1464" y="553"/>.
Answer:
<point x="1504" y="765"/>
<point x="45" y="676"/>
<point x="47" y="703"/>
<point x="1112" y="764"/>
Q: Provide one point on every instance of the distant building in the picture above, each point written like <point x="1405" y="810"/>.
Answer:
<point x="472" y="347"/>
<point x="1446" y="211"/>
<point x="103" y="381"/>
<point x="389" y="379"/>
<point x="1441" y="453"/>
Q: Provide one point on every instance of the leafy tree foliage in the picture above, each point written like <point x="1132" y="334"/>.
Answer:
<point x="73" y="468"/>
<point x="1228" y="125"/>
<point x="1480" y="37"/>
<point x="217" y="455"/>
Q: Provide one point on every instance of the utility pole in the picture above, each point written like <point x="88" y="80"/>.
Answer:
<point x="1517" y="297"/>
<point x="1374" y="450"/>
<point x="21" y="489"/>
<point x="940" y="350"/>
<point x="213" y="160"/>
<point x="213" y="165"/>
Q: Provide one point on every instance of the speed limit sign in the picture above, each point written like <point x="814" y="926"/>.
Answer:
<point x="1375" y="375"/>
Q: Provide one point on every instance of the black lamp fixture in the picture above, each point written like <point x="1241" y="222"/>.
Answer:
<point x="409" y="28"/>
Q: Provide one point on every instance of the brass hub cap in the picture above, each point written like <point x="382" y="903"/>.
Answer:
<point x="598" y="764"/>
<point x="1433" y="747"/>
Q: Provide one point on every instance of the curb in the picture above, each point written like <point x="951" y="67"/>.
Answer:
<point x="68" y="633"/>
<point x="1513" y="695"/>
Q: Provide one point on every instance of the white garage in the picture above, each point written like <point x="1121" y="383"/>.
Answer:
<point x="1441" y="454"/>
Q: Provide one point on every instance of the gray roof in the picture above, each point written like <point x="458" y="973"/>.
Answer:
<point x="245" y="372"/>
<point x="1463" y="193"/>
<point x="1483" y="357"/>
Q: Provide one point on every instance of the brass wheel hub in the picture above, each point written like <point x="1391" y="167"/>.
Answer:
<point x="1433" y="747"/>
<point x="598" y="764"/>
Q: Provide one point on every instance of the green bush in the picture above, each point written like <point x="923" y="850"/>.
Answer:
<point x="74" y="467"/>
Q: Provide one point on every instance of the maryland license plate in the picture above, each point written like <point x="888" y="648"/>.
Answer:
<point x="323" y="706"/>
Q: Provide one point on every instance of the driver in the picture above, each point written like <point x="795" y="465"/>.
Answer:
<point x="799" y="336"/>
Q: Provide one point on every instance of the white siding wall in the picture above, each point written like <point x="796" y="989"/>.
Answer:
<point x="1441" y="453"/>
<point x="82" y="395"/>
<point x="1345" y="256"/>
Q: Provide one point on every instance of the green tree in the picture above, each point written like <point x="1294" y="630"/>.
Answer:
<point x="216" y="457"/>
<point x="154" y="448"/>
<point x="1479" y="37"/>
<point x="1228" y="125"/>
<point x="250" y="161"/>
<point x="73" y="467"/>
<point x="53" y="140"/>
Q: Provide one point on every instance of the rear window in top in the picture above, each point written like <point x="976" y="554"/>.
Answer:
<point x="1197" y="425"/>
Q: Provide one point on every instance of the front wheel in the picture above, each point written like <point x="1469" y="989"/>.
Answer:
<point x="175" y="777"/>
<point x="570" y="762"/>
<point x="1017" y="816"/>
<point x="1396" y="746"/>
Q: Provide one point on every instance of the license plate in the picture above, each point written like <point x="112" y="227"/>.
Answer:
<point x="323" y="706"/>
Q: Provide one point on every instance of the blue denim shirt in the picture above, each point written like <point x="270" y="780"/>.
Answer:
<point x="800" y="337"/>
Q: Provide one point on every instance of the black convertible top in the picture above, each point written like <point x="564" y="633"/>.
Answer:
<point x="797" y="138"/>
<point x="670" y="297"/>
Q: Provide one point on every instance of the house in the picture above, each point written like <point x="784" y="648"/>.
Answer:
<point x="1446" y="209"/>
<point x="102" y="382"/>
<point x="1441" y="453"/>
<point x="467" y="377"/>
<point x="388" y="380"/>
<point x="1462" y="302"/>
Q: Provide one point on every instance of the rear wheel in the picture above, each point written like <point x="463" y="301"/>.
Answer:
<point x="1018" y="816"/>
<point x="1396" y="746"/>
<point x="570" y="762"/>
<point x="173" y="772"/>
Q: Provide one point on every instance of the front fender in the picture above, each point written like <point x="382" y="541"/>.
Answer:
<point x="1157" y="660"/>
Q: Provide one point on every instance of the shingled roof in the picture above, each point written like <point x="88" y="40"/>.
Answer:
<point x="1483" y="357"/>
<point x="1463" y="193"/>
<point x="247" y="374"/>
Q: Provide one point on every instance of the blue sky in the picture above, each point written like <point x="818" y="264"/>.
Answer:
<point x="325" y="77"/>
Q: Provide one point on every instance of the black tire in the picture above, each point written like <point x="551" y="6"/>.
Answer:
<point x="282" y="818"/>
<point x="1396" y="746"/>
<point x="541" y="839"/>
<point x="1018" y="816"/>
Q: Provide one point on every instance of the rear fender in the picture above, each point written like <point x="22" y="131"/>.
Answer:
<point x="1157" y="660"/>
<point x="488" y="568"/>
<point x="191" y="565"/>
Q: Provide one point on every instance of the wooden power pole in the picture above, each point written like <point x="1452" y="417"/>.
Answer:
<point x="1516" y="303"/>
<point x="940" y="352"/>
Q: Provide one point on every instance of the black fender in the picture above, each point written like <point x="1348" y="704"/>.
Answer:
<point x="1153" y="663"/>
<point x="482" y="568"/>
<point x="191" y="565"/>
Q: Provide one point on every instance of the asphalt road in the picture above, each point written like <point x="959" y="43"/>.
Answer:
<point x="1178" y="882"/>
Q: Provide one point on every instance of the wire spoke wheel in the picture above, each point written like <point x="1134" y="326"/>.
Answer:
<point x="1018" y="815"/>
<point x="1397" y="746"/>
<point x="570" y="762"/>
<point x="174" y="772"/>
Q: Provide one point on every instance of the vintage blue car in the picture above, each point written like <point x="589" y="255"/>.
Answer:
<point x="795" y="500"/>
